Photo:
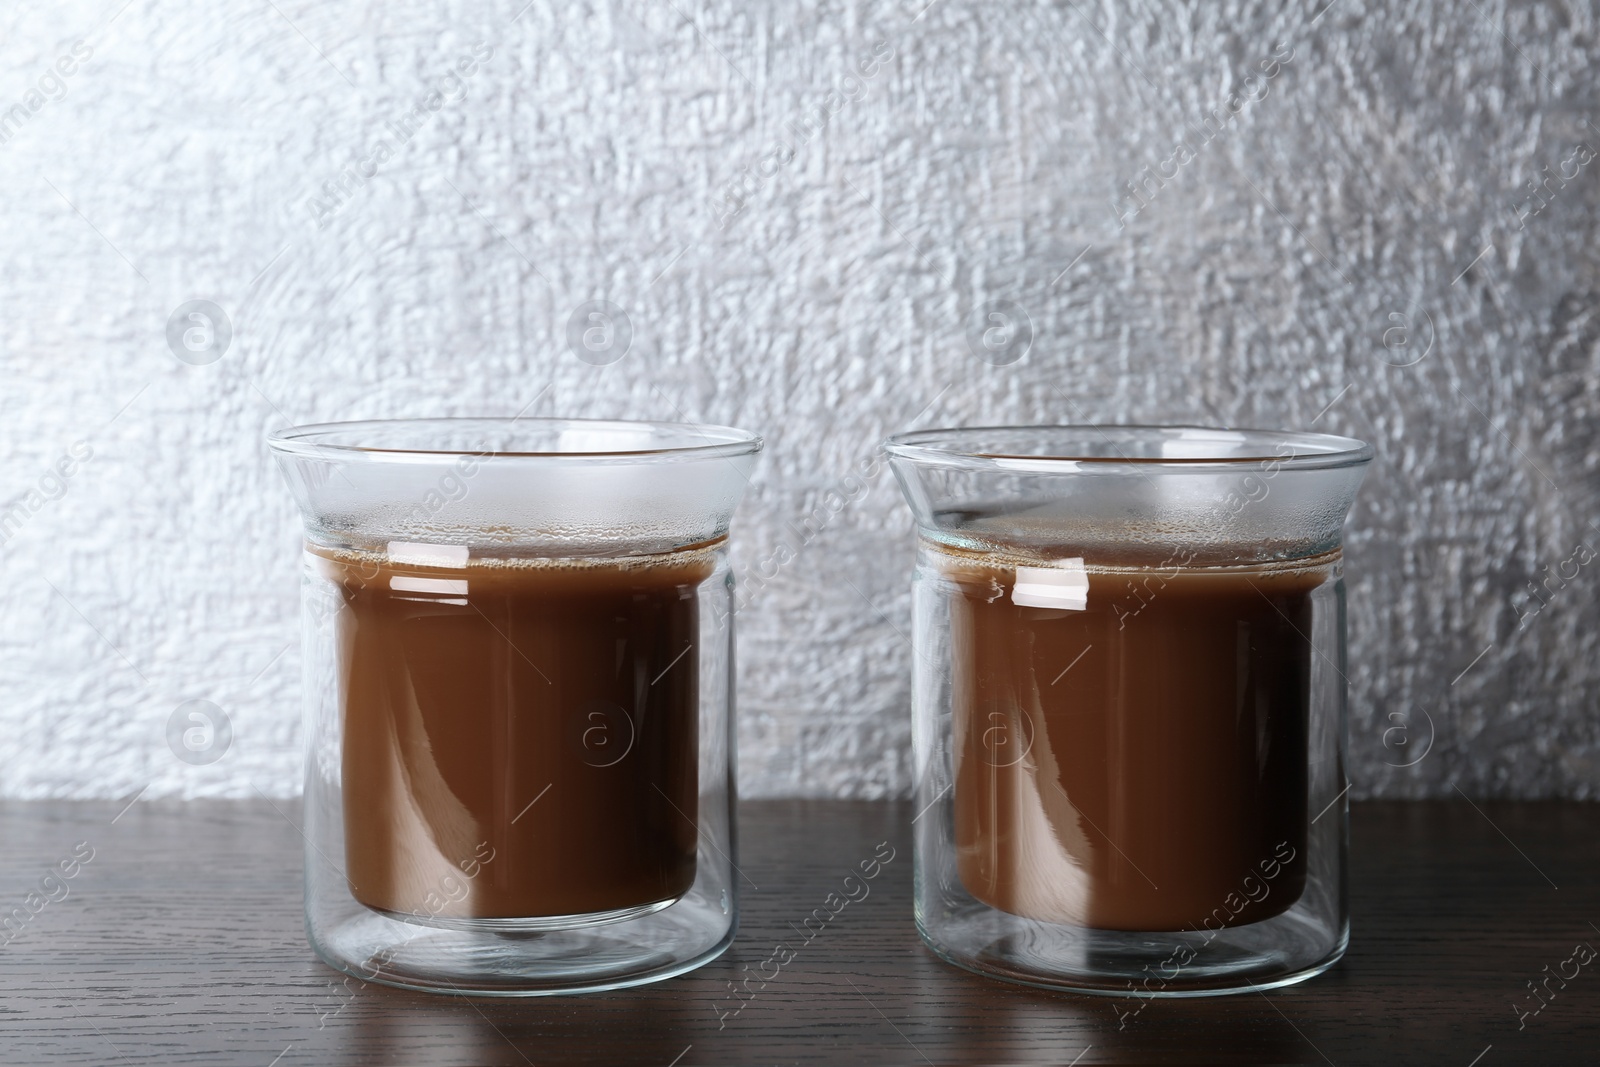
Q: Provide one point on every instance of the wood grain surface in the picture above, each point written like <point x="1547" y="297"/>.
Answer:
<point x="180" y="942"/>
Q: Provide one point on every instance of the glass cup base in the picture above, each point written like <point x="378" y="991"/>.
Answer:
<point x="1113" y="963"/>
<point x="533" y="924"/>
<point x="529" y="959"/>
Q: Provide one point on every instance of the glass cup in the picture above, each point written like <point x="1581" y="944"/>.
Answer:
<point x="1129" y="703"/>
<point x="518" y="644"/>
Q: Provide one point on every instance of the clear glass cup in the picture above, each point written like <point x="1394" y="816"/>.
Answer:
<point x="518" y="644"/>
<point x="1129" y="707"/>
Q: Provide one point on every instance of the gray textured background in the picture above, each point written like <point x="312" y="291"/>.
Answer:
<point x="1366" y="207"/>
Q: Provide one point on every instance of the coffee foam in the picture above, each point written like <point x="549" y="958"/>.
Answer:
<point x="1012" y="557"/>
<point x="413" y="554"/>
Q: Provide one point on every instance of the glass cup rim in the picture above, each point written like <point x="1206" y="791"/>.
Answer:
<point x="961" y="447"/>
<point x="691" y="441"/>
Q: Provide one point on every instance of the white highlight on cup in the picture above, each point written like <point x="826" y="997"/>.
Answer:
<point x="447" y="586"/>
<point x="1064" y="586"/>
<point x="1209" y="444"/>
<point x="419" y="554"/>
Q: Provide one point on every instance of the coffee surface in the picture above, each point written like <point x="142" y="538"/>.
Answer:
<point x="1130" y="744"/>
<point x="520" y="736"/>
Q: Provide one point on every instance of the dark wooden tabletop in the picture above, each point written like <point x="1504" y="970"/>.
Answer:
<point x="179" y="942"/>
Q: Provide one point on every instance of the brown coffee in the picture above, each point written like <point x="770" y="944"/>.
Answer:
<point x="1130" y="743"/>
<point x="520" y="736"/>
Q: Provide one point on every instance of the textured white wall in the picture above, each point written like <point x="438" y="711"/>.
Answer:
<point x="800" y="209"/>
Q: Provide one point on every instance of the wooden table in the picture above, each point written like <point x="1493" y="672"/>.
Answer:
<point x="180" y="942"/>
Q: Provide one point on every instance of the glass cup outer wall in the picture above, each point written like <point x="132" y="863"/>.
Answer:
<point x="1219" y="499"/>
<point x="509" y="487"/>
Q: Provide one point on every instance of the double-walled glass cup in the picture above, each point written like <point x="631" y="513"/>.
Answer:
<point x="1129" y="703"/>
<point x="518" y="644"/>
